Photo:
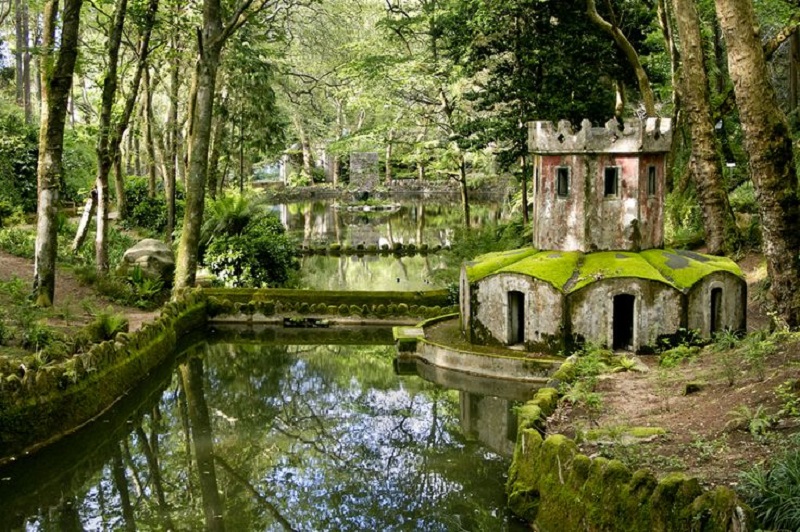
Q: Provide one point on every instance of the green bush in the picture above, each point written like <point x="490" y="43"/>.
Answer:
<point x="18" y="159"/>
<point x="146" y="212"/>
<point x="774" y="493"/>
<point x="257" y="254"/>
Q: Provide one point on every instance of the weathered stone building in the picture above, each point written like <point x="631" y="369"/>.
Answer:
<point x="596" y="271"/>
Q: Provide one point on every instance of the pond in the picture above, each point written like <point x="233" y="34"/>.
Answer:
<point x="418" y="221"/>
<point x="271" y="433"/>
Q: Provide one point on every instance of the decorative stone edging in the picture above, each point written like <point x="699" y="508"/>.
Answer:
<point x="411" y="343"/>
<point x="47" y="404"/>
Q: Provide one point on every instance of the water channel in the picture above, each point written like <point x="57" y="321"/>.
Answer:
<point x="279" y="430"/>
<point x="415" y="221"/>
<point x="289" y="429"/>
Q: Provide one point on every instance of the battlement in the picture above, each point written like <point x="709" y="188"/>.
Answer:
<point x="654" y="135"/>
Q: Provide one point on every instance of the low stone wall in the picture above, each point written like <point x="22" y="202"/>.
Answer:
<point x="360" y="250"/>
<point x="555" y="487"/>
<point x="492" y="366"/>
<point x="44" y="405"/>
<point x="263" y="305"/>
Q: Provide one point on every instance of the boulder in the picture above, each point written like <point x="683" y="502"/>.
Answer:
<point x="155" y="258"/>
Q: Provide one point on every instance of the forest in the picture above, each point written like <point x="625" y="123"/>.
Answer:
<point x="194" y="100"/>
<point x="123" y="120"/>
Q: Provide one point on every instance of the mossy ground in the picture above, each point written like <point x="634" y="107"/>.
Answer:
<point x="707" y="433"/>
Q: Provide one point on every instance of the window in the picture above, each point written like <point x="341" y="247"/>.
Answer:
<point x="611" y="181"/>
<point x="651" y="180"/>
<point x="562" y="181"/>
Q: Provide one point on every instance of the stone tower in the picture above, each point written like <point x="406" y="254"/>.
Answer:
<point x="599" y="188"/>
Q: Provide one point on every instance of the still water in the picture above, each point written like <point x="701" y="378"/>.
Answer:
<point x="412" y="221"/>
<point x="278" y="433"/>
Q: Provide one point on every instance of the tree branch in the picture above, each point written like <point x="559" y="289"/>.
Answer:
<point x="630" y="54"/>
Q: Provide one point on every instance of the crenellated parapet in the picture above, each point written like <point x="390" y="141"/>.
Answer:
<point x="653" y="135"/>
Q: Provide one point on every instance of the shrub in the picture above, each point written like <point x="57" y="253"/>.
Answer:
<point x="106" y="325"/>
<point x="18" y="159"/>
<point x="261" y="255"/>
<point x="774" y="493"/>
<point x="146" y="212"/>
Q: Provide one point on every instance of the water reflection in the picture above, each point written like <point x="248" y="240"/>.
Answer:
<point x="272" y="437"/>
<point x="415" y="222"/>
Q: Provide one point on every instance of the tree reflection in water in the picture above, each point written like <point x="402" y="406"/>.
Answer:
<point x="253" y="437"/>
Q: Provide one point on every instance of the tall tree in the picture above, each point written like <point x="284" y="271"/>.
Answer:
<point x="104" y="153"/>
<point x="769" y="147"/>
<point x="216" y="31"/>
<point x="705" y="164"/>
<point x="57" y="67"/>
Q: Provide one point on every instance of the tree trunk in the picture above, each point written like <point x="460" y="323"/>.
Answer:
<point x="148" y="134"/>
<point x="768" y="144"/>
<point x="83" y="226"/>
<point x="794" y="59"/>
<point x="18" y="52"/>
<point x="104" y="154"/>
<point x="219" y="138"/>
<point x="462" y="169"/>
<point x="26" y="64"/>
<point x="388" y="165"/>
<point x="56" y="73"/>
<point x="118" y="133"/>
<point x="526" y="168"/>
<point x="199" y="140"/>
<point x="648" y="98"/>
<point x="172" y="135"/>
<point x="720" y="229"/>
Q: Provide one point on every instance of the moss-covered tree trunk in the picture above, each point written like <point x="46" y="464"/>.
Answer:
<point x="172" y="135"/>
<point x="105" y="156"/>
<point x="769" y="146"/>
<point x="199" y="144"/>
<point x="57" y="68"/>
<point x="706" y="168"/>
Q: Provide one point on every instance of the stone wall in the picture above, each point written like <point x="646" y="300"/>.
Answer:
<point x="733" y="304"/>
<point x="543" y="309"/>
<point x="364" y="170"/>
<point x="586" y="218"/>
<point x="658" y="311"/>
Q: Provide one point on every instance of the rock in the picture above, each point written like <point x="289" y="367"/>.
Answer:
<point x="155" y="258"/>
<point x="693" y="387"/>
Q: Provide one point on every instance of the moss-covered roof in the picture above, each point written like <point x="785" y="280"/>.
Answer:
<point x="569" y="271"/>
<point x="554" y="267"/>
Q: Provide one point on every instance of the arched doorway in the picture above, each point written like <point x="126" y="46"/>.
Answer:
<point x="623" y="321"/>
<point x="715" y="325"/>
<point x="516" y="317"/>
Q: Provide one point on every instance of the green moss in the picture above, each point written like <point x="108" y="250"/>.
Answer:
<point x="646" y="432"/>
<point x="685" y="268"/>
<point x="718" y="510"/>
<point x="491" y="262"/>
<point x="614" y="265"/>
<point x="571" y="271"/>
<point x="553" y="267"/>
<point x="566" y="373"/>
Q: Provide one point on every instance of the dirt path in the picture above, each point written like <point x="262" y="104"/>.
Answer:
<point x="72" y="299"/>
